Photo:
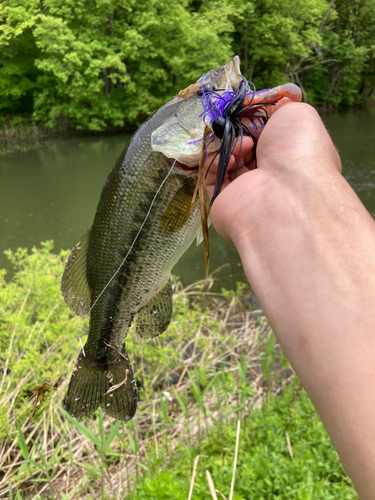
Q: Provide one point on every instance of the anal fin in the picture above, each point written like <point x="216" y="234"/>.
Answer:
<point x="154" y="318"/>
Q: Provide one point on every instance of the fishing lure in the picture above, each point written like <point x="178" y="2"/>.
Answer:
<point x="225" y="112"/>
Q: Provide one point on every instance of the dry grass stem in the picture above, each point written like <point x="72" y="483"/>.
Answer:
<point x="289" y="446"/>
<point x="235" y="459"/>
<point x="211" y="485"/>
<point x="193" y="476"/>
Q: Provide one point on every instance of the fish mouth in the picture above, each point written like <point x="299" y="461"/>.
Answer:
<point x="233" y="73"/>
<point x="180" y="135"/>
<point x="225" y="78"/>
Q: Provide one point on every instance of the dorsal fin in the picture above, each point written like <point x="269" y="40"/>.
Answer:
<point x="74" y="284"/>
<point x="154" y="318"/>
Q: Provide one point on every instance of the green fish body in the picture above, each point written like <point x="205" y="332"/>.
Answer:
<point x="119" y="271"/>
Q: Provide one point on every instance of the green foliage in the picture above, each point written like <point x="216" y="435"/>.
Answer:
<point x="265" y="468"/>
<point x="277" y="35"/>
<point x="352" y="78"/>
<point x="108" y="63"/>
<point x="48" y="466"/>
<point x="327" y="48"/>
<point x="38" y="333"/>
<point x="102" y="63"/>
<point x="196" y="378"/>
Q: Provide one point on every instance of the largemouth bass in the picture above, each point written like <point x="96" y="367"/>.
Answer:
<point x="145" y="220"/>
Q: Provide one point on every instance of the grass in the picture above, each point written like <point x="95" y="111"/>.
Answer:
<point x="217" y="365"/>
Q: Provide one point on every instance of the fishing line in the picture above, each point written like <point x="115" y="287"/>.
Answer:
<point x="139" y="232"/>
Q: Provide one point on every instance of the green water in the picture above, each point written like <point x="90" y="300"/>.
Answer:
<point x="50" y="190"/>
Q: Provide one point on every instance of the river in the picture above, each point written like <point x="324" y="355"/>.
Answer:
<point x="49" y="189"/>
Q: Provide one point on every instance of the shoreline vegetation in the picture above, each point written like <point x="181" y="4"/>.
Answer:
<point x="217" y="364"/>
<point x="14" y="128"/>
<point x="23" y="135"/>
<point x="18" y="134"/>
<point x="100" y="66"/>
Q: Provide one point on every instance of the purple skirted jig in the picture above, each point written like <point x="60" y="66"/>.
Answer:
<point x="224" y="112"/>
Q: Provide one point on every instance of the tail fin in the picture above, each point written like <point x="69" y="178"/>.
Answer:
<point x="109" y="385"/>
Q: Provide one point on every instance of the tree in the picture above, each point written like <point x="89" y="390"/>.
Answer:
<point x="101" y="63"/>
<point x="327" y="48"/>
<point x="97" y="64"/>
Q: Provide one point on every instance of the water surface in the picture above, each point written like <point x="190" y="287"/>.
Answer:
<point x="51" y="191"/>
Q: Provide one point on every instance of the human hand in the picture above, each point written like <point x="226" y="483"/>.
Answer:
<point x="293" y="136"/>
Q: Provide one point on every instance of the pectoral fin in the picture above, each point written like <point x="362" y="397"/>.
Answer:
<point x="74" y="284"/>
<point x="178" y="210"/>
<point x="154" y="318"/>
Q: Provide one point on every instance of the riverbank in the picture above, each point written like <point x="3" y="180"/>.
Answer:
<point x="20" y="133"/>
<point x="23" y="127"/>
<point x="217" y="364"/>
